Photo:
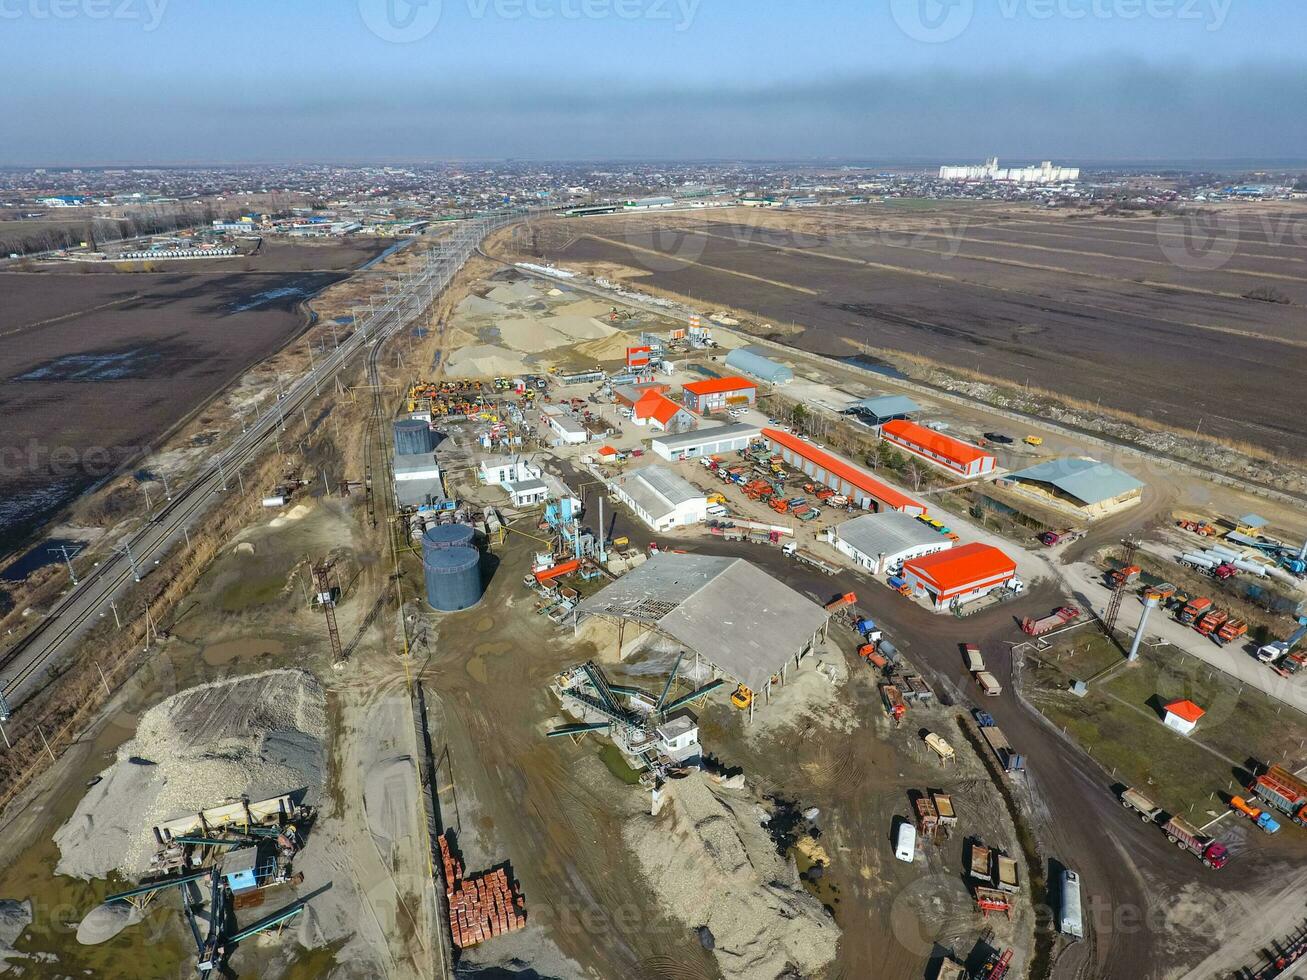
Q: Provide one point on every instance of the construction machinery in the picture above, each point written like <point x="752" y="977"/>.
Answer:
<point x="1207" y="849"/>
<point x="1230" y="631"/>
<point x="1033" y="440"/>
<point x="1279" y="651"/>
<point x="742" y="697"/>
<point x="1126" y="575"/>
<point x="1264" y="821"/>
<point x="1059" y="617"/>
<point x="1204" y="529"/>
<point x="1194" y="610"/>
<point x="1284" y="791"/>
<point x="1211" y="621"/>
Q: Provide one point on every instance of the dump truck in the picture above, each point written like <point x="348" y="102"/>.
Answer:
<point x="980" y="863"/>
<point x="892" y="698"/>
<point x="1264" y="821"/>
<point x="975" y="662"/>
<point x="1059" y="617"/>
<point x="1230" y="631"/>
<point x="1148" y="811"/>
<point x="835" y="605"/>
<point x="1010" y="760"/>
<point x="1007" y="873"/>
<point x="1196" y="609"/>
<point x="1184" y="835"/>
<point x="989" y="684"/>
<point x="900" y="585"/>
<point x="1124" y="576"/>
<point x="1284" y="791"/>
<point x="1211" y="622"/>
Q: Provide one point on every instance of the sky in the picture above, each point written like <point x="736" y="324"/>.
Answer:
<point x="86" y="82"/>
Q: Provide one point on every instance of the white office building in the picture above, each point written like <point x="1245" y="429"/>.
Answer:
<point x="1045" y="173"/>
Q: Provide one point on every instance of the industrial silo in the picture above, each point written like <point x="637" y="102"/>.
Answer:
<point x="413" y="437"/>
<point x="453" y="577"/>
<point x="448" y="536"/>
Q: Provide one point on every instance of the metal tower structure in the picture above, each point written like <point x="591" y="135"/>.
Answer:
<point x="326" y="599"/>
<point x="1118" y="594"/>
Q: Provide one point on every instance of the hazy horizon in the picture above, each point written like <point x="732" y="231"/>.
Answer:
<point x="156" y="82"/>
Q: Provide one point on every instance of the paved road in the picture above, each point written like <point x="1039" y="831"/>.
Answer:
<point x="25" y="667"/>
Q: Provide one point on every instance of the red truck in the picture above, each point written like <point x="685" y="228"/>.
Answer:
<point x="1212" y="852"/>
<point x="1059" y="617"/>
<point x="1230" y="631"/>
<point x="1284" y="791"/>
<point x="1211" y="622"/>
<point x="1196" y="609"/>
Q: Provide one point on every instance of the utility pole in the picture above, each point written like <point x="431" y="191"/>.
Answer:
<point x="68" y="560"/>
<point x="116" y="621"/>
<point x="131" y="560"/>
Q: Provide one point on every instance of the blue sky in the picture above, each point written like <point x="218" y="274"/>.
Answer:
<point x="105" y="81"/>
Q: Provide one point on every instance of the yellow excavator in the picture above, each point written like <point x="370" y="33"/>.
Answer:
<point x="742" y="698"/>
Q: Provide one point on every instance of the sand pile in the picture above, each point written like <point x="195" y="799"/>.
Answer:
<point x="257" y="736"/>
<point x="15" y="917"/>
<point x="484" y="361"/>
<point x="611" y="348"/>
<point x="712" y="864"/>
<point x="104" y="922"/>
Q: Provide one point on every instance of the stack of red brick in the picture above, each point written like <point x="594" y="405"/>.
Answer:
<point x="482" y="906"/>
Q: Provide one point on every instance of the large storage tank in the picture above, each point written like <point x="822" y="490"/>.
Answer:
<point x="453" y="577"/>
<point x="413" y="437"/>
<point x="448" y="536"/>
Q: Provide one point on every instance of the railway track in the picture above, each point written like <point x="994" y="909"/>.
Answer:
<point x="24" y="665"/>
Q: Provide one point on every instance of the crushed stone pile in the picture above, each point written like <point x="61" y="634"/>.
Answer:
<point x="104" y="922"/>
<point x="714" y="867"/>
<point x="257" y="736"/>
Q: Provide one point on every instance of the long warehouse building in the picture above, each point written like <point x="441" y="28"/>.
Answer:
<point x="840" y="475"/>
<point x="935" y="447"/>
<point x="706" y="442"/>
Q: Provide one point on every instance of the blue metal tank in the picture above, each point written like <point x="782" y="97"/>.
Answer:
<point x="453" y="577"/>
<point x="448" y="536"/>
<point x="413" y="437"/>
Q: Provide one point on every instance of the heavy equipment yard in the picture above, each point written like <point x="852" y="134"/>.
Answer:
<point x="495" y="677"/>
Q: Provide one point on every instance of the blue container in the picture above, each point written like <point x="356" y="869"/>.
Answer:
<point x="448" y="536"/>
<point x="413" y="437"/>
<point x="453" y="577"/>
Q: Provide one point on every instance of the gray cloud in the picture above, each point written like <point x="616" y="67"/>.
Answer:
<point x="1101" y="110"/>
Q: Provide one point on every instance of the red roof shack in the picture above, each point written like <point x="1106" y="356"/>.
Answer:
<point x="1182" y="716"/>
<point x="935" y="447"/>
<point x="961" y="574"/>
<point x="715" y="394"/>
<point x="840" y="475"/>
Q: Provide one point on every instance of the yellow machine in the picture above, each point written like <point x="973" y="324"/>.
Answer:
<point x="1034" y="440"/>
<point x="716" y="498"/>
<point x="742" y="697"/>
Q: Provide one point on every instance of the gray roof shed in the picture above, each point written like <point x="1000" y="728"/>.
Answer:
<point x="1088" y="480"/>
<point x="729" y="612"/>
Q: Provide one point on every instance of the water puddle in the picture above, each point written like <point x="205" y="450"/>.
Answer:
<point x="237" y="651"/>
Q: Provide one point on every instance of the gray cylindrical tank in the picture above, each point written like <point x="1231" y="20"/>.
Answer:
<point x="448" y="536"/>
<point x="413" y="437"/>
<point x="453" y="577"/>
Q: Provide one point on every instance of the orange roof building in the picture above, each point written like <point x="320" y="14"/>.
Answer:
<point x="961" y="574"/>
<point x="715" y="394"/>
<point x="935" y="447"/>
<point x="659" y="412"/>
<point x="1183" y="716"/>
<point x="840" y="475"/>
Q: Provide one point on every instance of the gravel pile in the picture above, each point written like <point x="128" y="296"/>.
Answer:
<point x="256" y="736"/>
<point x="104" y="922"/>
<point x="714" y="867"/>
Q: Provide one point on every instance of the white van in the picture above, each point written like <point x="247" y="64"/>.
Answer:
<point x="905" y="842"/>
<point x="717" y="510"/>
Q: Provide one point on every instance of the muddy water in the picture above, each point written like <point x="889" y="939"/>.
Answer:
<point x="244" y="650"/>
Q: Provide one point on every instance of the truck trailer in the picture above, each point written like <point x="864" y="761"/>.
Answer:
<point x="1184" y="835"/>
<point x="1284" y="791"/>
